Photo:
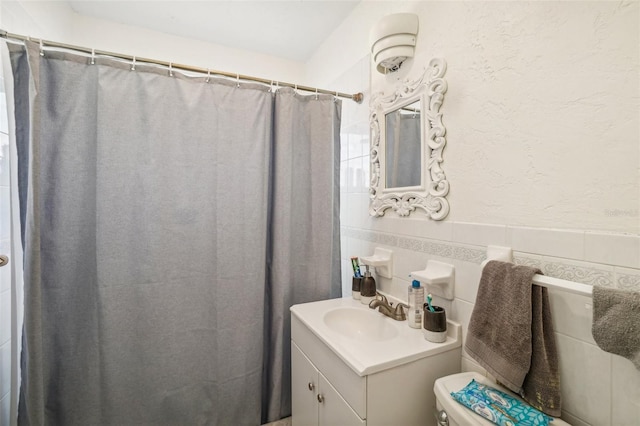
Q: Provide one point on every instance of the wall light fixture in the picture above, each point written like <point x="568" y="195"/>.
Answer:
<point x="393" y="41"/>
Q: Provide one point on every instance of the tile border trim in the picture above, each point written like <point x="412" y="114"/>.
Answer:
<point x="566" y="269"/>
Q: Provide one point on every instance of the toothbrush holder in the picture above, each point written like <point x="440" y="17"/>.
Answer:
<point x="356" y="284"/>
<point x="435" y="324"/>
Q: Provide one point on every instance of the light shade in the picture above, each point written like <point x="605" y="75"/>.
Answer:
<point x="393" y="40"/>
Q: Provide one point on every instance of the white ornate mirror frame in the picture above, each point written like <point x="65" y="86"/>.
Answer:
<point x="430" y="196"/>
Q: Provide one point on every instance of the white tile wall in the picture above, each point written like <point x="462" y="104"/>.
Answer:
<point x="4" y="409"/>
<point x="572" y="315"/>
<point x="574" y="421"/>
<point x="585" y="375"/>
<point x="466" y="288"/>
<point x="5" y="368"/>
<point x="627" y="278"/>
<point x="4" y="119"/>
<point x="4" y="156"/>
<point x="625" y="397"/>
<point x="552" y="242"/>
<point x="612" y="249"/>
<point x="599" y="389"/>
<point x="470" y="233"/>
<point x="5" y="272"/>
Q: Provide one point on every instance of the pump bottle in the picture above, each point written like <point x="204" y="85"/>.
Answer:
<point x="367" y="288"/>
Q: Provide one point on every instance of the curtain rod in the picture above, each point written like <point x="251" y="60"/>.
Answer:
<point x="357" y="97"/>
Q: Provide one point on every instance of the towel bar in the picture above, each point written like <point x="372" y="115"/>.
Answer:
<point x="564" y="285"/>
<point x="505" y="254"/>
<point x="560" y="284"/>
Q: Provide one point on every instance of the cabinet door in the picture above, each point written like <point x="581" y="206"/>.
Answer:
<point x="304" y="388"/>
<point x="334" y="410"/>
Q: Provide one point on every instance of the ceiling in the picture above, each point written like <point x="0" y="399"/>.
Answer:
<point x="290" y="29"/>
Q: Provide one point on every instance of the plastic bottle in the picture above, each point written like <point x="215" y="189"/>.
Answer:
<point x="416" y="300"/>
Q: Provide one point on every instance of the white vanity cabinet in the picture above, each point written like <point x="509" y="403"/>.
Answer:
<point x="316" y="402"/>
<point x="342" y="381"/>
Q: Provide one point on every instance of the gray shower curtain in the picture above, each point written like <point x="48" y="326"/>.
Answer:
<point x="168" y="225"/>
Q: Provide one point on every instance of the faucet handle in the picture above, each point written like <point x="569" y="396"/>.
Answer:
<point x="399" y="307"/>
<point x="401" y="313"/>
<point x="382" y="297"/>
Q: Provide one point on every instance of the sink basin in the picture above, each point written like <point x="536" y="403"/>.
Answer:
<point x="367" y="341"/>
<point x="360" y="324"/>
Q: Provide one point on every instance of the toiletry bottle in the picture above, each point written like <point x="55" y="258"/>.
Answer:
<point x="416" y="300"/>
<point x="367" y="288"/>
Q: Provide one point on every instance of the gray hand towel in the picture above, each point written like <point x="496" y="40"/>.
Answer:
<point x="616" y="322"/>
<point x="511" y="335"/>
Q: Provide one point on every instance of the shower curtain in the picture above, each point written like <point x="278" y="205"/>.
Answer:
<point x="168" y="225"/>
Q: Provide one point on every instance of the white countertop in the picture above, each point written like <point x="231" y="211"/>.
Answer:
<point x="367" y="356"/>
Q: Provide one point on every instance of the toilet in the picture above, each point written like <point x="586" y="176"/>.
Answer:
<point x="452" y="413"/>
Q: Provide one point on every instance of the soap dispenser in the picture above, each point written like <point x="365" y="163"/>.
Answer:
<point x="367" y="288"/>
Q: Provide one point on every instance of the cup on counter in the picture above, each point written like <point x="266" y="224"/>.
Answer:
<point x="356" y="284"/>
<point x="434" y="324"/>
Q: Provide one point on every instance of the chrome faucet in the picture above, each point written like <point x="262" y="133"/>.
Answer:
<point x="385" y="308"/>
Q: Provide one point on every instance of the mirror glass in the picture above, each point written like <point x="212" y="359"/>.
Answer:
<point x="407" y="144"/>
<point x="403" y="152"/>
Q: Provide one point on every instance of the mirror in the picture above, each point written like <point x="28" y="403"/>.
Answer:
<point x="407" y="141"/>
<point x="403" y="146"/>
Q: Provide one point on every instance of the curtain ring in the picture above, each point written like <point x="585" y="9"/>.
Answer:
<point x="93" y="56"/>
<point x="170" y="69"/>
<point x="208" y="75"/>
<point x="41" y="48"/>
<point x="237" y="80"/>
<point x="133" y="64"/>
<point x="316" y="93"/>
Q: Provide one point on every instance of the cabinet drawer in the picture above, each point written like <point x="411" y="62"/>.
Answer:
<point x="352" y="387"/>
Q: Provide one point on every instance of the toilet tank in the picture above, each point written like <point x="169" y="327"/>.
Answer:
<point x="456" y="413"/>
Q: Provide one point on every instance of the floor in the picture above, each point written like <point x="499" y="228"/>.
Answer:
<point x="281" y="422"/>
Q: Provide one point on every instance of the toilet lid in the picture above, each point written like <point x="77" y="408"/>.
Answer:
<point x="458" y="412"/>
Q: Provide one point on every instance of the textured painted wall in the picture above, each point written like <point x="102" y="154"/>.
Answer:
<point x="542" y="111"/>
